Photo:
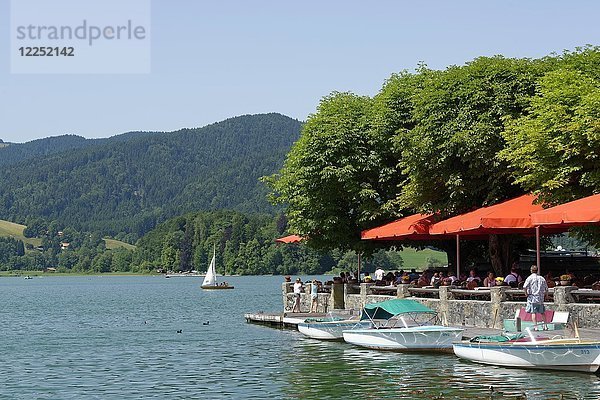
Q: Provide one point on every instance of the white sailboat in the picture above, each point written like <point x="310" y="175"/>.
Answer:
<point x="210" y="280"/>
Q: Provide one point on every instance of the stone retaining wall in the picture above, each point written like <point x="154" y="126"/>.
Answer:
<point x="478" y="313"/>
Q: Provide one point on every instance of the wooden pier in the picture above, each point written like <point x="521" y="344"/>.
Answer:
<point x="280" y="320"/>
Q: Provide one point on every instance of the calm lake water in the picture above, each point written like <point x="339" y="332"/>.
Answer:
<point x="116" y="337"/>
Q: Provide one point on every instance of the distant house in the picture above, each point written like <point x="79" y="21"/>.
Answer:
<point x="64" y="245"/>
<point x="50" y="269"/>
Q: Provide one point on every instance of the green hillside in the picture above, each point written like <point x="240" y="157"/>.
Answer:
<point x="10" y="229"/>
<point x="124" y="186"/>
<point x="112" y="244"/>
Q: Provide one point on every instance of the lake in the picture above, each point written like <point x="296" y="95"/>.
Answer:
<point x="116" y="337"/>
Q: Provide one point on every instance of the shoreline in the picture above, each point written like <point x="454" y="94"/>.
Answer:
<point x="21" y="274"/>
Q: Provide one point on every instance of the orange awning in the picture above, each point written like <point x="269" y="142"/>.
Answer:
<point x="289" y="239"/>
<point x="579" y="212"/>
<point x="511" y="216"/>
<point x="413" y="227"/>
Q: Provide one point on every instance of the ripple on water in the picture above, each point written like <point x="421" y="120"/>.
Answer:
<point x="116" y="337"/>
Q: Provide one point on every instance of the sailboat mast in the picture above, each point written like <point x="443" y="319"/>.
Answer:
<point x="215" y="261"/>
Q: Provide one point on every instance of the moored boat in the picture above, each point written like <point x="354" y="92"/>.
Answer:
<point x="330" y="328"/>
<point x="418" y="330"/>
<point x="527" y="351"/>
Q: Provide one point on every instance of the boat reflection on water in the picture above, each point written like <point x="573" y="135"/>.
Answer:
<point x="321" y="367"/>
<point x="317" y="369"/>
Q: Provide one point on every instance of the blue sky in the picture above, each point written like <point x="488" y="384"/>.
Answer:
<point x="214" y="60"/>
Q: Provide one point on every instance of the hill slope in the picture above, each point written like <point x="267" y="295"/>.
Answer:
<point x="15" y="231"/>
<point x="129" y="186"/>
<point x="12" y="153"/>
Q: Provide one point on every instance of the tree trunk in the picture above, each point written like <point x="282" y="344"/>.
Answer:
<point x="449" y="247"/>
<point x="500" y="254"/>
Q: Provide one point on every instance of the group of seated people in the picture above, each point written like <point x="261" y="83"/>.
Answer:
<point x="439" y="278"/>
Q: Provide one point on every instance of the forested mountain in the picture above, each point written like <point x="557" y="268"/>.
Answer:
<point x="11" y="153"/>
<point x="123" y="188"/>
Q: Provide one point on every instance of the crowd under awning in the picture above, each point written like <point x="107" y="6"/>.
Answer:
<point x="522" y="215"/>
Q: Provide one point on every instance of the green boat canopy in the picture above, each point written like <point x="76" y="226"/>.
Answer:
<point x="390" y="308"/>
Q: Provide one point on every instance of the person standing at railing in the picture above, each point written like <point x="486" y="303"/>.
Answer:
<point x="297" y="293"/>
<point x="314" y="296"/>
<point x="535" y="289"/>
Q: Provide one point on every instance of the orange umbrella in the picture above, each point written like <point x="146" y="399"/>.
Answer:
<point x="289" y="239"/>
<point x="511" y="216"/>
<point x="579" y="212"/>
<point x="414" y="227"/>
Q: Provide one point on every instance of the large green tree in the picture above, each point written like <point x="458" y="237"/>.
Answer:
<point x="428" y="142"/>
<point x="450" y="154"/>
<point x="323" y="182"/>
<point x="555" y="148"/>
<point x="337" y="178"/>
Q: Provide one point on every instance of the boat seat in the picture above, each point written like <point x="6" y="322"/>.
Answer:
<point x="554" y="320"/>
<point x="525" y="316"/>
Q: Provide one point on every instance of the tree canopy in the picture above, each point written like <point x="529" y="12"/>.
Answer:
<point x="445" y="142"/>
<point x="554" y="149"/>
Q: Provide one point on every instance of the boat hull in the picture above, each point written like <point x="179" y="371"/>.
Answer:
<point x="216" y="287"/>
<point x="331" y="330"/>
<point x="561" y="354"/>
<point x="419" y="338"/>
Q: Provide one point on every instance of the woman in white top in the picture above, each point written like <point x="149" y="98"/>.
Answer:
<point x="297" y="292"/>
<point x="314" y="296"/>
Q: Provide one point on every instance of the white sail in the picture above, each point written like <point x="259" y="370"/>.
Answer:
<point x="211" y="274"/>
